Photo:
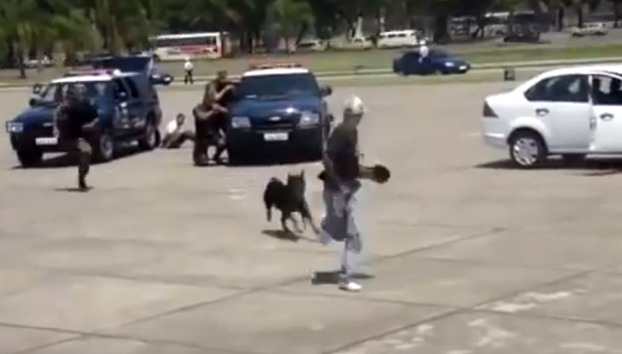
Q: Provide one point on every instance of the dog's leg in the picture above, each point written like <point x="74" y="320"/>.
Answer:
<point x="305" y="211"/>
<point x="284" y="217"/>
<point x="268" y="209"/>
<point x="296" y="225"/>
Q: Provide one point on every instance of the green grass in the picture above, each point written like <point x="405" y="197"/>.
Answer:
<point x="373" y="59"/>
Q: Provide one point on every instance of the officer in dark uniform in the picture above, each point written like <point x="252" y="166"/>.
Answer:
<point x="224" y="94"/>
<point x="74" y="119"/>
<point x="205" y="114"/>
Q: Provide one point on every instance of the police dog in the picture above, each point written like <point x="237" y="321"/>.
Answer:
<point x="289" y="198"/>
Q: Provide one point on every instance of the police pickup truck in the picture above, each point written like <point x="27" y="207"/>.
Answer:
<point x="278" y="108"/>
<point x="127" y="103"/>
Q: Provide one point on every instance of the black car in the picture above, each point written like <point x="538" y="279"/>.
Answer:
<point x="278" y="110"/>
<point x="127" y="103"/>
<point x="437" y="62"/>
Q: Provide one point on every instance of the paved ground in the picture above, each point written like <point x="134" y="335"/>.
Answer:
<point x="467" y="256"/>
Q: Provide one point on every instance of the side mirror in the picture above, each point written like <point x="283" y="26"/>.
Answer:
<point x="33" y="102"/>
<point x="327" y="91"/>
<point x="36" y="88"/>
<point x="122" y="96"/>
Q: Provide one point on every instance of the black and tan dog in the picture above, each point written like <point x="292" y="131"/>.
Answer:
<point x="289" y="198"/>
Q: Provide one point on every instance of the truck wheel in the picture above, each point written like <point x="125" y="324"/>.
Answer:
<point x="151" y="140"/>
<point x="104" y="147"/>
<point x="29" y="157"/>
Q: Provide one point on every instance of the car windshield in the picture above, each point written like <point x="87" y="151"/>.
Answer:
<point x="94" y="90"/>
<point x="278" y="85"/>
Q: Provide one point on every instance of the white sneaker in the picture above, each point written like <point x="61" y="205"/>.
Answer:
<point x="350" y="286"/>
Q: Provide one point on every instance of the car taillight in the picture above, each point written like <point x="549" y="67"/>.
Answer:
<point x="488" y="112"/>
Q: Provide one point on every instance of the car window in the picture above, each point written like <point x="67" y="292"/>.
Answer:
<point x="94" y="90"/>
<point x="411" y="56"/>
<point x="565" y="88"/>
<point x="606" y="90"/>
<point x="119" y="88"/>
<point x="132" y="88"/>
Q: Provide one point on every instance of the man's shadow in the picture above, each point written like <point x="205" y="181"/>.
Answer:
<point x="332" y="277"/>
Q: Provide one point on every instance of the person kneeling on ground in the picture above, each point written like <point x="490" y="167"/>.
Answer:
<point x="174" y="135"/>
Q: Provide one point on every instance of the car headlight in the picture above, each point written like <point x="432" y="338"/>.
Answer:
<point x="240" y="122"/>
<point x="449" y="64"/>
<point x="309" y="118"/>
<point x="14" y="127"/>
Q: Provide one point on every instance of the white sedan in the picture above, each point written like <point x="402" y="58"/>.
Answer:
<point x="571" y="112"/>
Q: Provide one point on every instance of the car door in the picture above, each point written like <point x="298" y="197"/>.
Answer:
<point x="410" y="63"/>
<point x="121" y="120"/>
<point x="135" y="106"/>
<point x="562" y="103"/>
<point x="606" y="121"/>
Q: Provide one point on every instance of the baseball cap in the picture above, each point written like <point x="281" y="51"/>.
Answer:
<point x="354" y="106"/>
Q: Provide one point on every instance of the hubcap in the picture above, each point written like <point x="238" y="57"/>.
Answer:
<point x="526" y="151"/>
<point x="105" y="145"/>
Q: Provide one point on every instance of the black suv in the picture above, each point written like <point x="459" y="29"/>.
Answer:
<point x="127" y="103"/>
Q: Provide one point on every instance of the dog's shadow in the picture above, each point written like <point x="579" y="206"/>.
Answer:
<point x="332" y="277"/>
<point x="282" y="235"/>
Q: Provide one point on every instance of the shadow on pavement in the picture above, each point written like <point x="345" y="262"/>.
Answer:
<point x="600" y="167"/>
<point x="332" y="277"/>
<point x="66" y="160"/>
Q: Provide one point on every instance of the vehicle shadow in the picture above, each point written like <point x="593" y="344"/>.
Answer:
<point x="64" y="160"/>
<point x="590" y="167"/>
<point x="272" y="161"/>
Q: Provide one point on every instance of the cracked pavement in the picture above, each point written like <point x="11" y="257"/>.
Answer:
<point x="464" y="255"/>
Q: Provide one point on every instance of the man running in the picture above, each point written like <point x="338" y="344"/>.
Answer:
<point x="73" y="119"/>
<point x="341" y="190"/>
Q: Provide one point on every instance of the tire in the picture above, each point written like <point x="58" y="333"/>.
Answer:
<point x="527" y="150"/>
<point x="573" y="159"/>
<point x="151" y="140"/>
<point x="236" y="157"/>
<point x="104" y="147"/>
<point x="29" y="157"/>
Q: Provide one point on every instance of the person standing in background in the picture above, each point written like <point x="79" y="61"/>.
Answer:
<point x="188" y="69"/>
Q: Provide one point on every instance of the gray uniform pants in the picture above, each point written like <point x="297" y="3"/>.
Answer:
<point x="342" y="223"/>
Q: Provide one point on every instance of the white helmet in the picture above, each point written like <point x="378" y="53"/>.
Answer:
<point x="354" y="106"/>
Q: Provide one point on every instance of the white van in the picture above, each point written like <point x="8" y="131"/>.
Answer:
<point x="398" y="39"/>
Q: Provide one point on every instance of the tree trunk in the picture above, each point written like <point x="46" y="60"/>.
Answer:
<point x="440" y="28"/>
<point x="39" y="57"/>
<point x="616" y="13"/>
<point x="579" y="11"/>
<point x="20" y="61"/>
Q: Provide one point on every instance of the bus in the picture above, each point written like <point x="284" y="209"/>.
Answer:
<point x="205" y="45"/>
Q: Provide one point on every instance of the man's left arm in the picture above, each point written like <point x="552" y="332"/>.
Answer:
<point x="92" y="118"/>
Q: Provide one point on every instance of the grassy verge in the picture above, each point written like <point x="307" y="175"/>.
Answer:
<point x="371" y="59"/>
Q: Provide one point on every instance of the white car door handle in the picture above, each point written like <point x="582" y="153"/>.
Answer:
<point x="541" y="112"/>
<point x="606" y="116"/>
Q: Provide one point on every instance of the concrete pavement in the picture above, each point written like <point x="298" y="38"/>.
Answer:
<point x="465" y="255"/>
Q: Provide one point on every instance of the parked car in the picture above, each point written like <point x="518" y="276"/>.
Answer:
<point x="437" y="62"/>
<point x="278" y="109"/>
<point x="571" y="112"/>
<point x="353" y="44"/>
<point x="590" y="29"/>
<point x="127" y="103"/>
<point x="312" y="45"/>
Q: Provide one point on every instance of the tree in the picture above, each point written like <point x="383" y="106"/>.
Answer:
<point x="290" y="15"/>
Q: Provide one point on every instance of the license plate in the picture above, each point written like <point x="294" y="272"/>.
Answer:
<point x="275" y="136"/>
<point x="46" y="141"/>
